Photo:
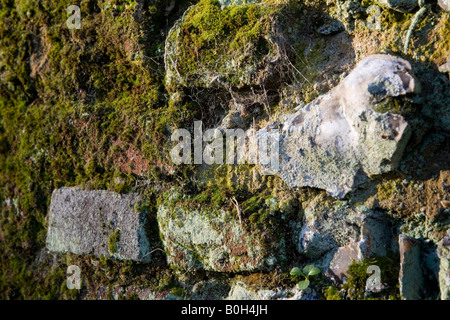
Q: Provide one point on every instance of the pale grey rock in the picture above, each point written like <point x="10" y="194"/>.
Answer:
<point x="377" y="234"/>
<point x="331" y="27"/>
<point x="335" y="234"/>
<point x="443" y="248"/>
<point x="225" y="3"/>
<point x="444" y="4"/>
<point x="197" y="239"/>
<point x="444" y="279"/>
<point x="353" y="232"/>
<point x="445" y="68"/>
<point x="82" y="221"/>
<point x="443" y="251"/>
<point x="210" y="290"/>
<point x="399" y="5"/>
<point x="375" y="238"/>
<point x="342" y="259"/>
<point x="239" y="291"/>
<point x="411" y="276"/>
<point x="327" y="227"/>
<point x="338" y="140"/>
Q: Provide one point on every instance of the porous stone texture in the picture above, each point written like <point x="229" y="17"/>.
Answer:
<point x="411" y="276"/>
<point x="215" y="241"/>
<point x="400" y="5"/>
<point x="240" y="291"/>
<point x="444" y="4"/>
<point x="443" y="252"/>
<point x="326" y="228"/>
<point x="240" y="68"/>
<point x="339" y="234"/>
<point x="342" y="259"/>
<point x="338" y="140"/>
<point x="225" y="3"/>
<point x="82" y="222"/>
<point x="445" y="68"/>
<point x="331" y="27"/>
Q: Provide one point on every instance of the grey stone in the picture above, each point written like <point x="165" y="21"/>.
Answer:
<point x="225" y="3"/>
<point x="445" y="68"/>
<point x="239" y="291"/>
<point x="237" y="69"/>
<point x="444" y="279"/>
<point x="375" y="234"/>
<point x="443" y="251"/>
<point x="444" y="4"/>
<point x="215" y="241"/>
<point x="331" y="27"/>
<point x="411" y="276"/>
<point x="210" y="290"/>
<point x="342" y="259"/>
<point x="399" y="5"/>
<point x="326" y="227"/>
<point x="338" y="140"/>
<point x="82" y="222"/>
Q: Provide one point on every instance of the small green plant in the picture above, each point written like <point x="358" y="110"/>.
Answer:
<point x="307" y="271"/>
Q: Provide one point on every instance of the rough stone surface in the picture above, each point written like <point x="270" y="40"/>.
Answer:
<point x="445" y="68"/>
<point x="444" y="4"/>
<point x="400" y="5"/>
<point x="327" y="227"/>
<point x="210" y="290"/>
<point x="239" y="69"/>
<point x="443" y="251"/>
<point x="376" y="234"/>
<point x="240" y="291"/>
<point x="196" y="239"/>
<point x="342" y="234"/>
<point x="82" y="222"/>
<point x="331" y="27"/>
<point x="337" y="225"/>
<point x="411" y="277"/>
<point x="342" y="259"/>
<point x="338" y="140"/>
<point x="235" y="2"/>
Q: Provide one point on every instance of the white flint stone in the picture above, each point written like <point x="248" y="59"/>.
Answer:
<point x="338" y="140"/>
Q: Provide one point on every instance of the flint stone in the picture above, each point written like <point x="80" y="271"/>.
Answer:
<point x="411" y="276"/>
<point x="240" y="291"/>
<point x="444" y="4"/>
<point x="337" y="141"/>
<point x="445" y="68"/>
<point x="443" y="251"/>
<point x="374" y="239"/>
<point x="404" y="6"/>
<point x="201" y="240"/>
<point x="326" y="227"/>
<point x="342" y="259"/>
<point x="225" y="3"/>
<point x="82" y="221"/>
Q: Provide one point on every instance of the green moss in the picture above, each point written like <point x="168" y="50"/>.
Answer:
<point x="388" y="188"/>
<point x="332" y="293"/>
<point x="356" y="282"/>
<point x="397" y="105"/>
<point x="210" y="38"/>
<point x="113" y="240"/>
